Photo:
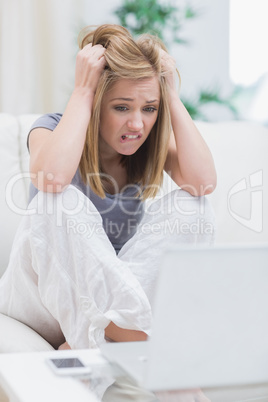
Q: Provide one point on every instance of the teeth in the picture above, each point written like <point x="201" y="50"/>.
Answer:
<point x="129" y="136"/>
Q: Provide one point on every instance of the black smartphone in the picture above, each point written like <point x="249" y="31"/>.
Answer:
<point x="70" y="366"/>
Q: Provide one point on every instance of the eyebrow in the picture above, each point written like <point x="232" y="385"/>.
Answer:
<point x="131" y="100"/>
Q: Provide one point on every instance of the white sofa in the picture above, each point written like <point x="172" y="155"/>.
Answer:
<point x="240" y="153"/>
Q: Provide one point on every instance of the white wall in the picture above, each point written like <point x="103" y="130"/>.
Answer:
<point x="38" y="48"/>
<point x="205" y="61"/>
<point x="37" y="52"/>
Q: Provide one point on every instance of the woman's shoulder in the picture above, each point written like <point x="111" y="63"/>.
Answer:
<point x="48" y="120"/>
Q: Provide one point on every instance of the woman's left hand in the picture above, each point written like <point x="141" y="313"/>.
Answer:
<point x="169" y="67"/>
<point x="64" y="346"/>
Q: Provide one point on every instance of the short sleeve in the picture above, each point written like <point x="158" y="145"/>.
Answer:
<point x="49" y="121"/>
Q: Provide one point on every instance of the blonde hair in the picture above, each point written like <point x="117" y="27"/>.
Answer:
<point x="130" y="59"/>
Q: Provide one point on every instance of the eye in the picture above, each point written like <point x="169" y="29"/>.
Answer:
<point x="120" y="108"/>
<point x="150" y="109"/>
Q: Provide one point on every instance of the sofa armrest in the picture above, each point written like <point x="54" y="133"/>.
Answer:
<point x="18" y="337"/>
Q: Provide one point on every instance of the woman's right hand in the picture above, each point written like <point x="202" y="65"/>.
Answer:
<point x="90" y="63"/>
<point x="58" y="155"/>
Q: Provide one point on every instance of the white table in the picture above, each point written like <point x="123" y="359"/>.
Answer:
<point x="26" y="377"/>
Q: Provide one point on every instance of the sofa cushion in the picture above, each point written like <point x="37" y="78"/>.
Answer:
<point x="25" y="122"/>
<point x="14" y="177"/>
<point x="17" y="337"/>
<point x="12" y="190"/>
<point x="240" y="153"/>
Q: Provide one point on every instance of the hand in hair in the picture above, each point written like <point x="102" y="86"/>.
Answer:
<point x="168" y="64"/>
<point x="189" y="161"/>
<point x="90" y="62"/>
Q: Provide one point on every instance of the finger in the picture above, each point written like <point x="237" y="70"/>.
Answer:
<point x="102" y="60"/>
<point x="101" y="52"/>
<point x="97" y="52"/>
<point x="96" y="49"/>
<point x="88" y="46"/>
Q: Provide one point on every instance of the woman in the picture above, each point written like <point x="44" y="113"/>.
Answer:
<point x="84" y="268"/>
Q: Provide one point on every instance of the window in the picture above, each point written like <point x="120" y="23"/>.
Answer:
<point x="248" y="40"/>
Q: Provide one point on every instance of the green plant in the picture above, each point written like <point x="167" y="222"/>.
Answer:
<point x="167" y="21"/>
<point x="150" y="16"/>
<point x="196" y="107"/>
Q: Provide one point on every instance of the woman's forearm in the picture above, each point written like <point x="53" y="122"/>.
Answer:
<point x="191" y="163"/>
<point x="116" y="334"/>
<point x="55" y="155"/>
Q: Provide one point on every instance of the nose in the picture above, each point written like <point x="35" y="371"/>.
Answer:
<point x="135" y="122"/>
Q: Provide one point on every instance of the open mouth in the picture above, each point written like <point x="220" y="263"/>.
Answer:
<point x="130" y="137"/>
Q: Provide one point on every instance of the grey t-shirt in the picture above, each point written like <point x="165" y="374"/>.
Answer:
<point x="121" y="213"/>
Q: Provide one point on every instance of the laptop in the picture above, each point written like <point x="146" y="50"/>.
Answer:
<point x="210" y="325"/>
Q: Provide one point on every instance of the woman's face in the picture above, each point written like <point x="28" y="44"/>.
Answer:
<point x="128" y="112"/>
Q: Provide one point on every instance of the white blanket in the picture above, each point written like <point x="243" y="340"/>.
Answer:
<point x="64" y="278"/>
